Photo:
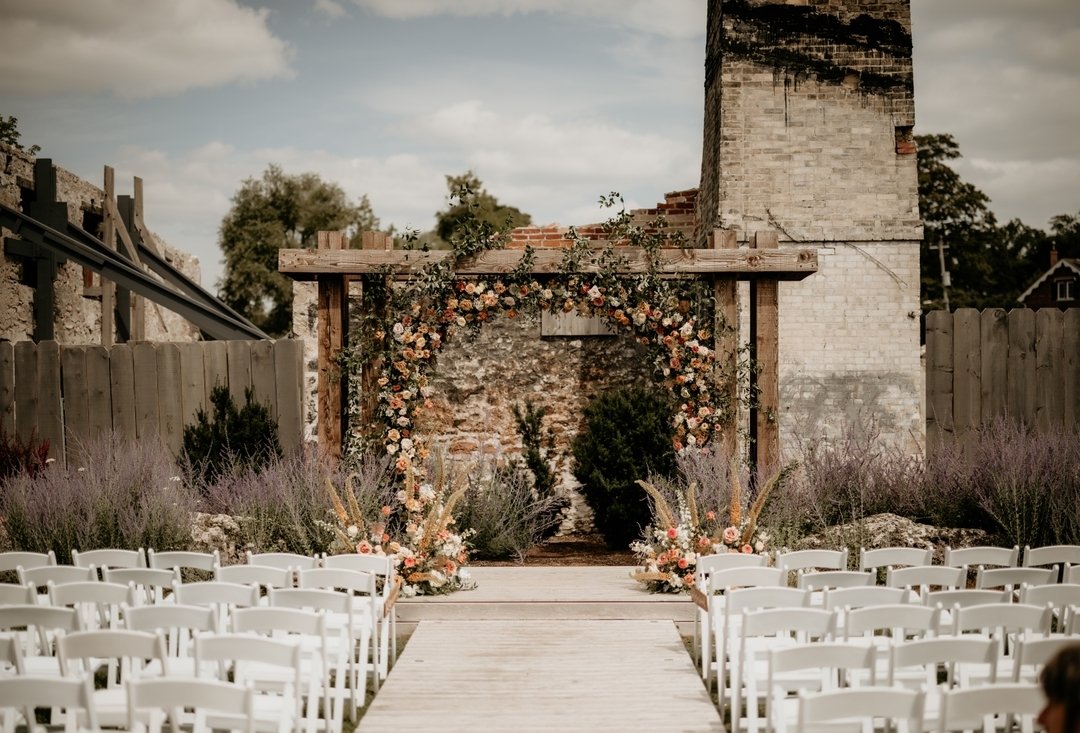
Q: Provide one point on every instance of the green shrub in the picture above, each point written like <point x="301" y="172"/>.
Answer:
<point x="628" y="436"/>
<point x="529" y="419"/>
<point x="234" y="439"/>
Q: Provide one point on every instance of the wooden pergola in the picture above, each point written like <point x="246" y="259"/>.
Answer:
<point x="763" y="264"/>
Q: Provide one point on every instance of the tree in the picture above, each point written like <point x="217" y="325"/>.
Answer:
<point x="956" y="217"/>
<point x="470" y="205"/>
<point x="274" y="212"/>
<point x="9" y="133"/>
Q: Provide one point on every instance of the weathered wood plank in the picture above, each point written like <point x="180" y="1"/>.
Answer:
<point x="76" y="403"/>
<point x="766" y="337"/>
<point x="726" y="329"/>
<point x="1049" y="369"/>
<point x="99" y="392"/>
<point x="967" y="371"/>
<point x="215" y="367"/>
<point x="263" y="382"/>
<point x="147" y="414"/>
<point x="170" y="406"/>
<point x="7" y="387"/>
<point x="239" y="369"/>
<point x="193" y="393"/>
<point x="1071" y="367"/>
<point x="50" y="408"/>
<point x="289" y="375"/>
<point x="26" y="391"/>
<point x="122" y="384"/>
<point x="994" y="391"/>
<point x="785" y="264"/>
<point x="1021" y="377"/>
<point x="108" y="287"/>
<point x="332" y="306"/>
<point x="939" y="378"/>
<point x="368" y="388"/>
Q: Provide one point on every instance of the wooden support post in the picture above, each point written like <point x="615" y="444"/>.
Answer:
<point x="108" y="236"/>
<point x="129" y="237"/>
<point x="46" y="209"/>
<point x="369" y="388"/>
<point x="726" y="296"/>
<point x="765" y="355"/>
<point x="332" y="319"/>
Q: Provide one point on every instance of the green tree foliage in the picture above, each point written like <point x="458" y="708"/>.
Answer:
<point x="279" y="211"/>
<point x="9" y="133"/>
<point x="233" y="438"/>
<point x="470" y="205"/>
<point x="628" y="436"/>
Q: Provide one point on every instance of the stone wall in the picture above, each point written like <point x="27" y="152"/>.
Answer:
<point x="77" y="315"/>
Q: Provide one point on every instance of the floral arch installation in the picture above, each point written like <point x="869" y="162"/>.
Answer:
<point x="642" y="282"/>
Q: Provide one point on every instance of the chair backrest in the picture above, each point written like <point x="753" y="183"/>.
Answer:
<point x="16" y="594"/>
<point x="820" y="559"/>
<point x="957" y="655"/>
<point x="965" y="597"/>
<point x="1051" y="555"/>
<point x="267" y="621"/>
<point x="221" y="596"/>
<point x="383" y="567"/>
<point x="109" y="558"/>
<point x="25" y="693"/>
<point x="975" y="708"/>
<point x="150" y="584"/>
<point x="12" y="560"/>
<point x="899" y="620"/>
<point x="264" y="576"/>
<point x="179" y="624"/>
<point x="999" y="619"/>
<point x="247" y="657"/>
<point x="927" y="576"/>
<point x="1058" y="596"/>
<point x="354" y="581"/>
<point x="40" y="576"/>
<point x="282" y="560"/>
<point x="707" y="564"/>
<point x="882" y="557"/>
<point x="805" y="623"/>
<point x="723" y="580"/>
<point x="902" y="710"/>
<point x="821" y="579"/>
<point x="1070" y="574"/>
<point x="39" y="625"/>
<point x="206" y="697"/>
<point x="80" y="652"/>
<point x="1030" y="655"/>
<point x="183" y="559"/>
<point x="861" y="596"/>
<point x="765" y="596"/>
<point x="1011" y="578"/>
<point x="1003" y="557"/>
<point x="833" y="655"/>
<point x="97" y="602"/>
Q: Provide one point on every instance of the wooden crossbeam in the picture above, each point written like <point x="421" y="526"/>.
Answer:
<point x="780" y="264"/>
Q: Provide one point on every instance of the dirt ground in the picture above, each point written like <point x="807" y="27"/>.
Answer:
<point x="578" y="549"/>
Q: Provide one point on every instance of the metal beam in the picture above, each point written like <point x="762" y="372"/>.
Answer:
<point x="118" y="269"/>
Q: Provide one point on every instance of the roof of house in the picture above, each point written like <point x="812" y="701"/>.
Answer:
<point x="1070" y="263"/>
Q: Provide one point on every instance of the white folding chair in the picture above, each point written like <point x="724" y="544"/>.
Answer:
<point x="19" y="696"/>
<point x="925" y="577"/>
<point x="821" y="580"/>
<point x="220" y="595"/>
<point x="184" y="560"/>
<point x="39" y="577"/>
<point x="97" y="602"/>
<point x="974" y="709"/>
<point x="264" y="576"/>
<point x="1002" y="557"/>
<point x="37" y="628"/>
<point x="122" y="653"/>
<point x="368" y="608"/>
<point x="1060" y="555"/>
<point x="883" y="557"/>
<point x="789" y="562"/>
<point x="1011" y="579"/>
<point x="1006" y="622"/>
<point x="1058" y="596"/>
<point x="920" y="663"/>
<point x="706" y="565"/>
<point x="862" y="596"/>
<point x="765" y="630"/>
<point x="17" y="594"/>
<point x="109" y="558"/>
<point x="817" y="667"/>
<point x="291" y="561"/>
<point x="151" y="586"/>
<point x="179" y="625"/>
<point x="161" y="699"/>
<point x="720" y="585"/>
<point x="14" y="559"/>
<point x="964" y="597"/>
<point x="272" y="668"/>
<point x="859" y="708"/>
<point x="1031" y="654"/>
<point x="308" y="630"/>
<point x="879" y="627"/>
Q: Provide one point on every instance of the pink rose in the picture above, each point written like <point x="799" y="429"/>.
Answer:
<point x="730" y="535"/>
<point x="672" y="533"/>
<point x="747" y="550"/>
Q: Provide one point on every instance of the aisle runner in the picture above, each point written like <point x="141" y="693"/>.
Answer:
<point x="518" y="676"/>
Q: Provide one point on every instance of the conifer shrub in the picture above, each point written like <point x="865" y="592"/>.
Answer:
<point x="529" y="419"/>
<point x="628" y="435"/>
<point x="233" y="439"/>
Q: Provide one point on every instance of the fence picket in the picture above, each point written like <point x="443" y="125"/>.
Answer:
<point x="939" y="377"/>
<point x="122" y="383"/>
<point x="193" y="382"/>
<point x="98" y="392"/>
<point x="289" y="375"/>
<point x="50" y="410"/>
<point x="76" y="401"/>
<point x="1070" y="365"/>
<point x="262" y="375"/>
<point x="170" y="405"/>
<point x="144" y="359"/>
<point x="26" y="399"/>
<point x="7" y="387"/>
<point x="239" y="369"/>
<point x="1049" y="373"/>
<point x="995" y="364"/>
<point x="967" y="370"/>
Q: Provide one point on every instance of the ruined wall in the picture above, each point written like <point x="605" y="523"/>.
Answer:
<point x="77" y="313"/>
<point x="809" y="113"/>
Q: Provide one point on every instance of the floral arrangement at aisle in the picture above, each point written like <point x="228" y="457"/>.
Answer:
<point x="677" y="538"/>
<point x="419" y="532"/>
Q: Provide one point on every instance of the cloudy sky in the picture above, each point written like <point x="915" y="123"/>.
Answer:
<point x="551" y="102"/>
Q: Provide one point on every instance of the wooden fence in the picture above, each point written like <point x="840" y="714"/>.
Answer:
<point x="142" y="391"/>
<point x="1023" y="364"/>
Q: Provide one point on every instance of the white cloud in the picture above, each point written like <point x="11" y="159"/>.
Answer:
<point x="135" y="49"/>
<point x="1033" y="191"/>
<point x="330" y="8"/>
<point x="673" y="18"/>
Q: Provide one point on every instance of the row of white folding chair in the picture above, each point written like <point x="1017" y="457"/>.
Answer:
<point x="905" y="710"/>
<point x="150" y="704"/>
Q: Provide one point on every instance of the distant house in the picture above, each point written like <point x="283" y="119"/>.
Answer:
<point x="1058" y="287"/>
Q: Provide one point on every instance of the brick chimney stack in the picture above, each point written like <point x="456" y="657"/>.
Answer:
<point x="1053" y="255"/>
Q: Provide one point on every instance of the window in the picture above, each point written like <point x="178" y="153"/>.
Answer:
<point x="1066" y="289"/>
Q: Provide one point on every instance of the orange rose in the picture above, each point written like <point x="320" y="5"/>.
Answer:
<point x="410" y="562"/>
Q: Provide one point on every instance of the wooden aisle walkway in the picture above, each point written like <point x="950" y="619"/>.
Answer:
<point x="563" y="675"/>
